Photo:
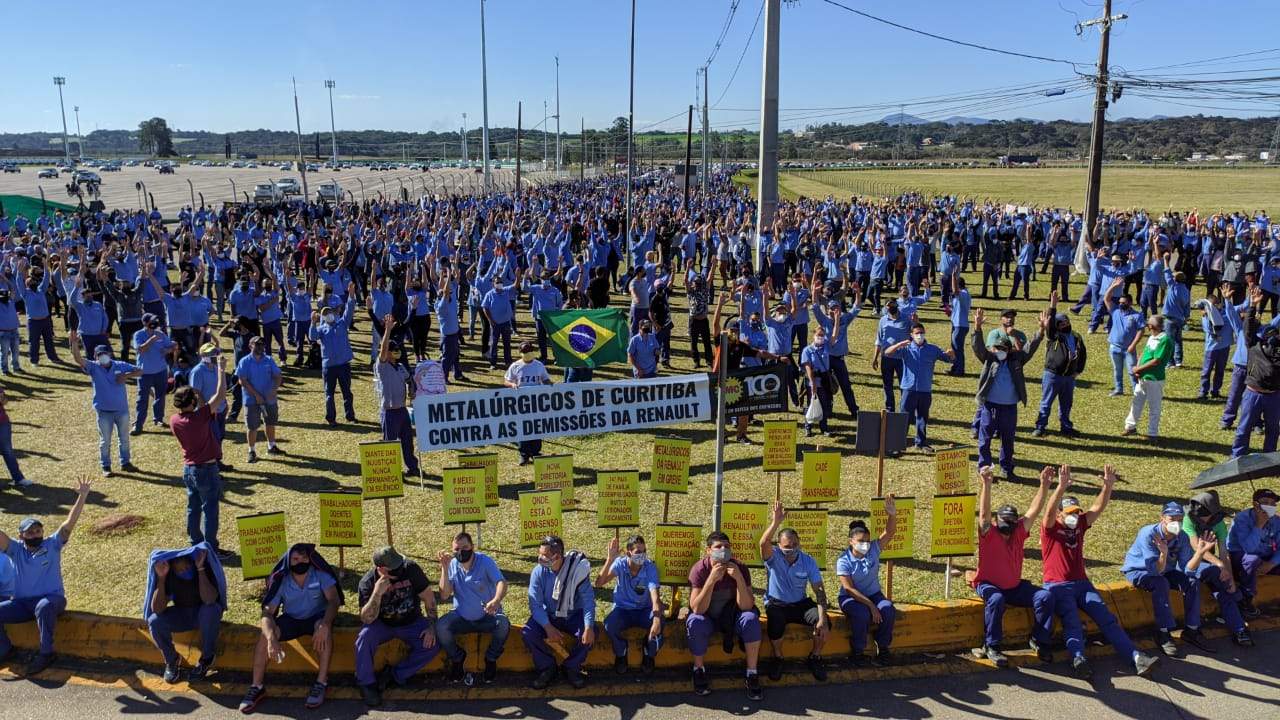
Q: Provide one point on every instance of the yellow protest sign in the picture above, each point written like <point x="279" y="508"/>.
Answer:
<point x="488" y="461"/>
<point x="779" y="445"/>
<point x="618" y="499"/>
<point x="539" y="516"/>
<point x="382" y="470"/>
<point x="902" y="544"/>
<point x="670" y="471"/>
<point x="744" y="523"/>
<point x="555" y="472"/>
<point x="341" y="519"/>
<point x="811" y="525"/>
<point x="463" y="498"/>
<point x="951" y="469"/>
<point x="951" y="531"/>
<point x="262" y="543"/>
<point x="821" y="480"/>
<point x="675" y="549"/>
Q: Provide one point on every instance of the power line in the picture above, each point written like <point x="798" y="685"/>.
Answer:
<point x="733" y="8"/>
<point x="745" y="47"/>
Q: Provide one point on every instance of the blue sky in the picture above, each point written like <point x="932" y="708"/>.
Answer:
<point x="416" y="66"/>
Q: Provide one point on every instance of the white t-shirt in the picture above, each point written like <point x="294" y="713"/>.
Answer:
<point x="523" y="373"/>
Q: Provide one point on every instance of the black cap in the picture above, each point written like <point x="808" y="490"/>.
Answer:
<point x="1265" y="494"/>
<point x="1008" y="312"/>
<point x="1008" y="512"/>
<point x="388" y="558"/>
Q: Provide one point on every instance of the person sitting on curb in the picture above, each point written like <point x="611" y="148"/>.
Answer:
<point x="562" y="604"/>
<point x="477" y="587"/>
<point x="1254" y="545"/>
<point x="861" y="601"/>
<point x="635" y="601"/>
<point x="38" y="592"/>
<point x="792" y="572"/>
<point x="1204" y="518"/>
<point x="1002" y="540"/>
<point x="721" y="600"/>
<point x="186" y="590"/>
<point x="302" y="598"/>
<point x="393" y="596"/>
<point x="1062" y="547"/>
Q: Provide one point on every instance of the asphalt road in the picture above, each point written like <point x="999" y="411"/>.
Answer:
<point x="1236" y="683"/>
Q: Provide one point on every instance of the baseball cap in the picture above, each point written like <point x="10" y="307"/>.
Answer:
<point x="1265" y="494"/>
<point x="208" y="349"/>
<point x="1061" y="318"/>
<point x="1009" y="312"/>
<point x="102" y="350"/>
<point x="28" y="523"/>
<point x="388" y="558"/>
<point x="1007" y="512"/>
<point x="1172" y="509"/>
<point x="1070" y="505"/>
<point x="528" y="346"/>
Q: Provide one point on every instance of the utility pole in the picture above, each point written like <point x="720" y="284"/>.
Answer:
<point x="519" y="118"/>
<point x="706" y="130"/>
<point x="558" y="156"/>
<point x="66" y="151"/>
<point x="768" y="160"/>
<point x="333" y="127"/>
<point x="544" y="135"/>
<point x="1096" y="147"/>
<point x="582" y="136"/>
<point x="466" y="156"/>
<point x="79" y="137"/>
<point x="631" y="122"/>
<point x="688" y="158"/>
<point x="897" y="145"/>
<point x="484" y="89"/>
<point x="302" y="163"/>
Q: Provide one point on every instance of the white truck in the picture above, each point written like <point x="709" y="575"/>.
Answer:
<point x="329" y="192"/>
<point x="267" y="194"/>
<point x="289" y="186"/>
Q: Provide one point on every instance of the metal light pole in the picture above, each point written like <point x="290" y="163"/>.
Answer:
<point x="466" y="156"/>
<point x="302" y="163"/>
<point x="66" y="152"/>
<point x="706" y="130"/>
<point x="631" y="121"/>
<point x="333" y="126"/>
<point x="1096" y="147"/>
<point x="519" y="119"/>
<point x="558" y="115"/>
<point x="484" y="89"/>
<point x="544" y="135"/>
<point x="79" y="137"/>
<point x="768" y="161"/>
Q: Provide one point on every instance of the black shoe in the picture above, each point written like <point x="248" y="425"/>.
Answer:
<point x="457" y="669"/>
<point x="817" y="667"/>
<point x="171" y="675"/>
<point x="371" y="695"/>
<point x="387" y="679"/>
<point x="1038" y="432"/>
<point x="544" y="679"/>
<point x="996" y="657"/>
<point x="1242" y="638"/>
<point x="726" y="643"/>
<point x="701" y="683"/>
<point x="620" y="665"/>
<point x="1144" y="662"/>
<point x="128" y="467"/>
<point x="1042" y="652"/>
<point x="577" y="679"/>
<point x="200" y="671"/>
<point x="223" y="467"/>
<point x="647" y="665"/>
<point x="774" y="667"/>
<point x="882" y="658"/>
<point x="224" y="554"/>
<point x="135" y="432"/>
<point x="753" y="687"/>
<point x="1080" y="666"/>
<point x="1193" y="636"/>
<point x="275" y="450"/>
<point x="39" y="663"/>
<point x="1165" y="641"/>
<point x="1071" y="432"/>
<point x="490" y="671"/>
<point x="251" y="698"/>
<point x="858" y="659"/>
<point x="1249" y="610"/>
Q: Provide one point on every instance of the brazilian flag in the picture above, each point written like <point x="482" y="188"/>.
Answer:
<point x="587" y="338"/>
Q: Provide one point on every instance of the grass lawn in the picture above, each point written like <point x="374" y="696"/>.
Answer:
<point x="1156" y="189"/>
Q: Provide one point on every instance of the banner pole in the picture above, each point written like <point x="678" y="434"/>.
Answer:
<point x="777" y="487"/>
<point x="422" y="478"/>
<point x="666" y="506"/>
<point x="342" y="562"/>
<point x="884" y="430"/>
<point x="946" y="585"/>
<point x="386" y="508"/>
<point x="720" y="420"/>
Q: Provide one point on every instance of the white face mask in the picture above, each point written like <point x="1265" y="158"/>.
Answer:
<point x="1071" y="521"/>
<point x="1001" y="355"/>
<point x="327" y="319"/>
<point x="862" y="548"/>
<point x="917" y="339"/>
<point x="1173" y="527"/>
<point x="1270" y="510"/>
<point x="639" y="559"/>
<point x="105" y="361"/>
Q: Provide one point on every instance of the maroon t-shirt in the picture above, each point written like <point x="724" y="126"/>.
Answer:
<point x="194" y="431"/>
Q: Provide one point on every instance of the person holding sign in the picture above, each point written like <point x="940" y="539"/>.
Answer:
<point x="722" y="601"/>
<point x="792" y="572"/>
<point x="477" y="588"/>
<point x="528" y="370"/>
<point x="1062" y="547"/>
<point x="393" y="380"/>
<point x="861" y="600"/>
<point x="561" y="605"/>
<point x="186" y="591"/>
<point x="393" y="596"/>
<point x="1001" y="387"/>
<point x="918" y="358"/>
<point x="998" y="579"/>
<point x="635" y="601"/>
<point x="302" y="598"/>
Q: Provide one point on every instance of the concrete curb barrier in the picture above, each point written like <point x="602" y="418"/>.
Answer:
<point x="920" y="628"/>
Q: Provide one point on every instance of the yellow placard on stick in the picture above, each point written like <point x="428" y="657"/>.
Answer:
<point x="341" y="519"/>
<point x="488" y="461"/>
<point x="901" y="545"/>
<point x="262" y="542"/>
<point x="539" y="516"/>
<point x="811" y="525"/>
<point x="382" y="470"/>
<point x="463" y="498"/>
<point x="744" y="523"/>
<point x="951" y="528"/>
<point x="951" y="468"/>
<point x="675" y="549"/>
<point x="779" y="446"/>
<point x="555" y="472"/>
<point x="618" y="499"/>
<point x="670" y="471"/>
<point x="821" y="480"/>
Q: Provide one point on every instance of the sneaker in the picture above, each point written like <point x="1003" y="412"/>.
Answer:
<point x="1143" y="663"/>
<point x="1042" y="652"/>
<point x="457" y="669"/>
<point x="1193" y="636"/>
<point x="224" y="554"/>
<point x="128" y="467"/>
<point x="1129" y="431"/>
<point x="387" y="679"/>
<point x="773" y="666"/>
<point x="996" y="657"/>
<point x="1114" y="393"/>
<point x="171" y="676"/>
<point x="647" y="665"/>
<point x="858" y="659"/>
<point x="1080" y="666"/>
<point x="701" y="683"/>
<point x="544" y="679"/>
<point x="620" y="665"/>
<point x="1242" y="638"/>
<point x="315" y="698"/>
<point x="251" y="698"/>
<point x="753" y="687"/>
<point x="882" y="658"/>
<point x="275" y="450"/>
<point x="253" y="457"/>
<point x="24" y="482"/>
<point x="490" y="671"/>
<point x="926" y="449"/>
<point x="1249" y="610"/>
<point x="106" y="473"/>
<point x="1038" y="432"/>
<point x="39" y="664"/>
<point x="816" y="667"/>
<point x="1165" y="641"/>
<point x="371" y="695"/>
<point x="577" y="678"/>
<point x="1071" y="432"/>
<point x="135" y="432"/>
<point x="200" y="671"/>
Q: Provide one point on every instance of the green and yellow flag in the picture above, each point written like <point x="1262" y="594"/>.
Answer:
<point x="587" y="338"/>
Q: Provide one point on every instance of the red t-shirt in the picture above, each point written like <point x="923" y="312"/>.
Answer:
<point x="1000" y="557"/>
<point x="194" y="431"/>
<point x="1063" y="552"/>
<point x="701" y="570"/>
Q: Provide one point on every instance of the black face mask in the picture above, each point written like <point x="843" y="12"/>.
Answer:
<point x="33" y="543"/>
<point x="300" y="568"/>
<point x="464" y="556"/>
<point x="1006" y="527"/>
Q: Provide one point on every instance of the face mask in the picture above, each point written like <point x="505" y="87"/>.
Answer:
<point x="104" y="360"/>
<point x="207" y="359"/>
<point x="1270" y="510"/>
<point x="186" y="574"/>
<point x="1001" y="355"/>
<point x="1006" y="527"/>
<point x="544" y="562"/>
<point x="1173" y="527"/>
<point x="820" y="341"/>
<point x="464" y="556"/>
<point x="779" y="317"/>
<point x="893" y="311"/>
<point x="300" y="568"/>
<point x="788" y="552"/>
<point x="257" y="352"/>
<point x="721" y="555"/>
<point x="1071" y="521"/>
<point x="917" y="339"/>
<point x="639" y="559"/>
<point x="528" y="357"/>
<point x="757" y="325"/>
<point x="33" y="543"/>
<point x="327" y="319"/>
<point x="862" y="548"/>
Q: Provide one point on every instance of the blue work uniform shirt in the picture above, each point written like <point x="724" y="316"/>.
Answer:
<point x="305" y="601"/>
<point x="108" y="391"/>
<point x="475" y="587"/>
<point x="631" y="590"/>
<point x="37" y="573"/>
<point x="152" y="359"/>
<point x="789" y="582"/>
<point x="542" y="606"/>
<point x="863" y="572"/>
<point x="917" y="366"/>
<point x="1143" y="554"/>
